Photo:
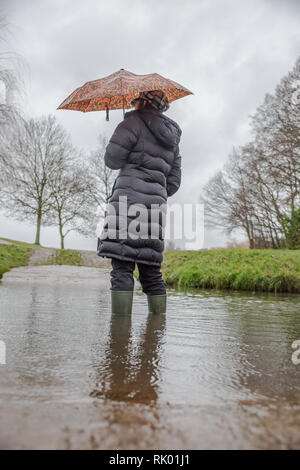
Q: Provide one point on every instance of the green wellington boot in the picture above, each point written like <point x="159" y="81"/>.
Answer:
<point x="157" y="303"/>
<point x="121" y="301"/>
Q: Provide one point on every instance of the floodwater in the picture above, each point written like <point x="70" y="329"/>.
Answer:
<point x="215" y="372"/>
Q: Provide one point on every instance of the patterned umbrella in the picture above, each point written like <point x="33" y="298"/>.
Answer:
<point x="116" y="91"/>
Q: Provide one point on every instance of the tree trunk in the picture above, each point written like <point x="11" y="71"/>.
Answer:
<point x="249" y="235"/>
<point x="38" y="227"/>
<point x="62" y="237"/>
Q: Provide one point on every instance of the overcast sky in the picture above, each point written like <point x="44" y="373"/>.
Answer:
<point x="229" y="53"/>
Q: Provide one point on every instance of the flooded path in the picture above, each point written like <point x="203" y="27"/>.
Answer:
<point x="215" y="372"/>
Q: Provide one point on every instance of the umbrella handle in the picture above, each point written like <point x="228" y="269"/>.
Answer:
<point x="107" y="110"/>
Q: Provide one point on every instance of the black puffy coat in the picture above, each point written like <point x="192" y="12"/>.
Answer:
<point x="145" y="148"/>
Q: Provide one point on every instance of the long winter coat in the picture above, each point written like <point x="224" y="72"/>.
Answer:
<point x="144" y="147"/>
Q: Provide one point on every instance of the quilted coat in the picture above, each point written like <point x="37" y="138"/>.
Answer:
<point x="145" y="150"/>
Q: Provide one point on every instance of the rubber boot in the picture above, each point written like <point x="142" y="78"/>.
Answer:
<point x="157" y="303"/>
<point x="121" y="301"/>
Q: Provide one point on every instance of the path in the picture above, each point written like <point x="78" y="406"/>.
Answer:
<point x="40" y="256"/>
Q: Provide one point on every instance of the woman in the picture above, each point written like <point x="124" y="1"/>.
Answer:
<point x="144" y="147"/>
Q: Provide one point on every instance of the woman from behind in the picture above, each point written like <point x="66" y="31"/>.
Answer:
<point x="145" y="150"/>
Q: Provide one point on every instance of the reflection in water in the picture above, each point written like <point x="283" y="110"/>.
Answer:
<point x="217" y="363"/>
<point x="128" y="374"/>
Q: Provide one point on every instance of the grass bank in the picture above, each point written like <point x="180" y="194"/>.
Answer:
<point x="12" y="256"/>
<point x="248" y="270"/>
<point x="235" y="269"/>
<point x="17" y="253"/>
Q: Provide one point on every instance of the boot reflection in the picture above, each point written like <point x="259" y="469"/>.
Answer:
<point x="131" y="373"/>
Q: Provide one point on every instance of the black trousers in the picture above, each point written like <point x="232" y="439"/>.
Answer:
<point x="150" y="277"/>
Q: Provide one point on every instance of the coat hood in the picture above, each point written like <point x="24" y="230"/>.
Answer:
<point x="166" y="131"/>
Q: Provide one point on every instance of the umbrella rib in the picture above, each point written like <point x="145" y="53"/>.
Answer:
<point x="122" y="95"/>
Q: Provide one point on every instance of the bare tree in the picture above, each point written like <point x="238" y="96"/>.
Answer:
<point x="276" y="126"/>
<point x="11" y="86"/>
<point x="34" y="153"/>
<point x="257" y="191"/>
<point x="10" y="82"/>
<point x="68" y="198"/>
<point x="226" y="199"/>
<point x="99" y="187"/>
<point x="264" y="193"/>
<point x="242" y="198"/>
<point x="101" y="177"/>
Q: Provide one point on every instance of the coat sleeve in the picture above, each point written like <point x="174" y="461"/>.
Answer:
<point x="174" y="177"/>
<point x="121" y="143"/>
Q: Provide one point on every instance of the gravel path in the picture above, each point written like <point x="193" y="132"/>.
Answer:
<point x="40" y="256"/>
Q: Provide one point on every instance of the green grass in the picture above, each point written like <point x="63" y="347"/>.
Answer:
<point x="12" y="256"/>
<point x="70" y="257"/>
<point x="234" y="269"/>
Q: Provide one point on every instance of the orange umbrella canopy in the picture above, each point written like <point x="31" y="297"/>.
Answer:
<point x="116" y="91"/>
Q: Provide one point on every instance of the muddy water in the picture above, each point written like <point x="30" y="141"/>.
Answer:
<point x="215" y="372"/>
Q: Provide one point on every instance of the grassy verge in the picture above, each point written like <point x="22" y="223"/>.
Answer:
<point x="12" y="256"/>
<point x="70" y="257"/>
<point x="248" y="270"/>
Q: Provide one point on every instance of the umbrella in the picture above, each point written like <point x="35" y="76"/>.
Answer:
<point x="116" y="91"/>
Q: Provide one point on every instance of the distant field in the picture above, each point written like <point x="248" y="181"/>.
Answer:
<point x="235" y="269"/>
